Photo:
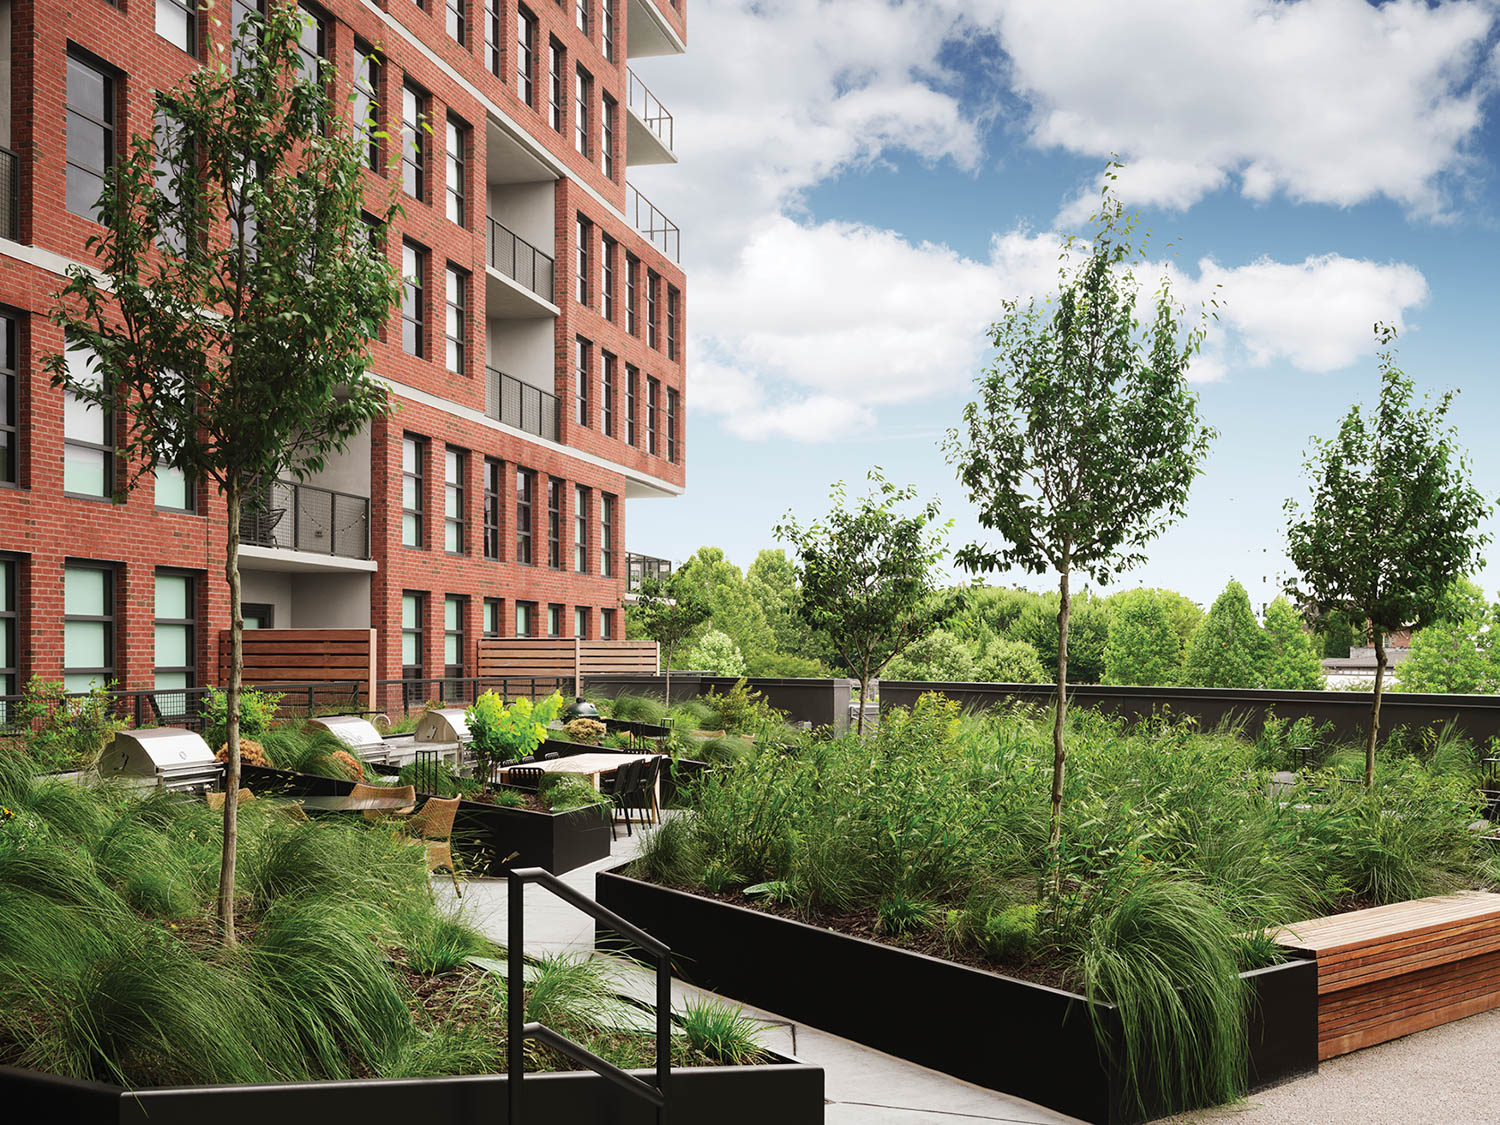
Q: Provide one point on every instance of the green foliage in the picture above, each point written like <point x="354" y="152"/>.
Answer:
<point x="1004" y="661"/>
<point x="257" y="714"/>
<point x="1291" y="664"/>
<point x="1456" y="653"/>
<point x="637" y="709"/>
<point x="741" y="710"/>
<point x="590" y="732"/>
<point x="721" y="1032"/>
<point x="1143" y="648"/>
<point x="563" y="792"/>
<point x="898" y="913"/>
<point x="62" y="731"/>
<point x="1088" y="634"/>
<point x="1338" y="635"/>
<point x="772" y="580"/>
<point x="503" y="734"/>
<point x="1229" y="650"/>
<point x="734" y="610"/>
<point x="869" y="577"/>
<point x="669" y="612"/>
<point x="713" y="652"/>
<point x="938" y="656"/>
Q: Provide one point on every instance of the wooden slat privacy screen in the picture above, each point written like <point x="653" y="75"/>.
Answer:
<point x="554" y="656"/>
<point x="289" y="656"/>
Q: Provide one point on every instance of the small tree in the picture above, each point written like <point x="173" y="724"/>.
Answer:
<point x="236" y="297"/>
<point x="669" y="612"/>
<point x="1291" y="662"/>
<point x="1392" y="521"/>
<point x="869" y="577"/>
<point x="1456" y="653"/>
<point x="1229" y="649"/>
<point x="1085" y="439"/>
<point x="1143" y="648"/>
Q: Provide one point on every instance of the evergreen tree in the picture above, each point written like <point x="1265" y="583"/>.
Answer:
<point x="1228" y="650"/>
<point x="1292" y="664"/>
<point x="1143" y="647"/>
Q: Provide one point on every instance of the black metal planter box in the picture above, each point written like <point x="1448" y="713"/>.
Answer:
<point x="786" y="1091"/>
<point x="1005" y="1034"/>
<point x="490" y="839"/>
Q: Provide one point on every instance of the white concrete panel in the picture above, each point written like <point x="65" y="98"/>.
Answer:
<point x="269" y="587"/>
<point x="330" y="601"/>
<point x="529" y="211"/>
<point x="523" y="349"/>
<point x="348" y="471"/>
<point x="5" y="72"/>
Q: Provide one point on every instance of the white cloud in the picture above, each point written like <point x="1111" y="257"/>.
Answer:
<point x="1326" y="101"/>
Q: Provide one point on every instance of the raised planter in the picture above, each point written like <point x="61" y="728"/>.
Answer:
<point x="490" y="839"/>
<point x="1005" y="1034"/>
<point x="786" y="1091"/>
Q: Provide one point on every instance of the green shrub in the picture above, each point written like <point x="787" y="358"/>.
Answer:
<point x="741" y="710"/>
<point x="637" y="709"/>
<point x="62" y="731"/>
<point x="257" y="714"/>
<point x="722" y="1033"/>
<point x="503" y="734"/>
<point x="563" y="792"/>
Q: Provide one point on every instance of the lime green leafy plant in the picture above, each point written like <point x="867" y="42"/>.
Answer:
<point x="503" y="734"/>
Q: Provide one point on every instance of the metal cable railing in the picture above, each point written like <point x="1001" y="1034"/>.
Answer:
<point x="647" y="106"/>
<point x="659" y="230"/>
<point x="509" y="400"/>
<point x="520" y="261"/>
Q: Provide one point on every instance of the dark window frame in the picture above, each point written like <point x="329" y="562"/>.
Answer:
<point x="415" y="671"/>
<point x="653" y="405"/>
<point x="418" y="476"/>
<point x="108" y="126"/>
<point x="606" y="624"/>
<point x="632" y="295"/>
<point x="674" y="420"/>
<point x="632" y="405"/>
<point x="492" y="39"/>
<point x="557" y="61"/>
<point x="188" y="8"/>
<point x="414" y="140"/>
<point x="526" y="33"/>
<point x="583" y="100"/>
<point x="367" y="87"/>
<point x="10" y="398"/>
<point x="313" y="60"/>
<point x="607" y="28"/>
<point x="607" y="501"/>
<point x="108" y="448"/>
<point x="582" y="513"/>
<point x="455" y="22"/>
<point x="674" y="311"/>
<point x="457" y="167"/>
<point x="191" y="623"/>
<point x="455" y="492"/>
<point x="582" y="625"/>
<point x="583" y="375"/>
<point x="414" y="288"/>
<point x="106" y="673"/>
<point x="556" y="612"/>
<point x="584" y="231"/>
<point x="554" y="522"/>
<point x="10" y="628"/>
<point x="525" y="511"/>
<point x="653" y="307"/>
<point x="493" y="610"/>
<point x="609" y="110"/>
<point x="493" y="470"/>
<point x="455" y="311"/>
<point x="528" y="610"/>
<point x="609" y="251"/>
<point x="451" y="670"/>
<point x="608" y="378"/>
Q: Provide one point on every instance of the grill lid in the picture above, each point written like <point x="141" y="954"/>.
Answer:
<point x="155" y="751"/>
<point x="354" y="731"/>
<point x="444" y="724"/>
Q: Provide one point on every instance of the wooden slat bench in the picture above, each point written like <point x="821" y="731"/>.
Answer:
<point x="1392" y="970"/>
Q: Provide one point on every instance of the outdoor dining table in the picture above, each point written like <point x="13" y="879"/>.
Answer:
<point x="592" y="766"/>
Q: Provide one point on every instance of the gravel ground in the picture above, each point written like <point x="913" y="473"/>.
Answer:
<point x="1438" y="1077"/>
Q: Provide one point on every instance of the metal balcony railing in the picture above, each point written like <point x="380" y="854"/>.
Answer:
<point x="10" y="195"/>
<point x="647" y="106"/>
<point x="638" y="568"/>
<point x="520" y="261"/>
<point x="659" y="230"/>
<point x="518" y="404"/>
<point x="303" y="517"/>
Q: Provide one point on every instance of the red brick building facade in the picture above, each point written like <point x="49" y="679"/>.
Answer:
<point x="535" y="368"/>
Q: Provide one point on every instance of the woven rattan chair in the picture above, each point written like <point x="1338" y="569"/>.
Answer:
<point x="433" y="828"/>
<point x="361" y="791"/>
<point x="216" y="800"/>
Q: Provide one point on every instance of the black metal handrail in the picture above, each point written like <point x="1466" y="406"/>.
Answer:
<point x="520" y="261"/>
<point x="10" y="195"/>
<point x="659" y="230"/>
<point x="454" y="690"/>
<point x="518" y="1030"/>
<point x="304" y="517"/>
<point x="640" y="567"/>
<point x="526" y="407"/>
<point x="647" y="106"/>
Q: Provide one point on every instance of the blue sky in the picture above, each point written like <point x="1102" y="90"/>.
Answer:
<point x="861" y="183"/>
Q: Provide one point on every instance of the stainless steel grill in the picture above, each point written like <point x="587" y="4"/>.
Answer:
<point x="355" y="732"/>
<point x="444" y="724"/>
<point x="178" y="759"/>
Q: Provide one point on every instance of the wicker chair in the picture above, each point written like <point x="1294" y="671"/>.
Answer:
<point x="216" y="800"/>
<point x="433" y="828"/>
<point x="363" y="791"/>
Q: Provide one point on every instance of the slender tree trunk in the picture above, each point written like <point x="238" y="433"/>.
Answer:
<point x="668" y="670"/>
<point x="232" y="729"/>
<point x="859" y="710"/>
<point x="1375" y="710"/>
<point x="1060" y="710"/>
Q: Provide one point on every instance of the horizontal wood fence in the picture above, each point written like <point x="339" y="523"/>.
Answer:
<point x="563" y="658"/>
<point x="293" y="656"/>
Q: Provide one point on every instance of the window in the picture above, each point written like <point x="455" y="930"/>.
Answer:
<point x="555" y="84"/>
<point x="455" y="463"/>
<point x="413" y="610"/>
<point x="413" y="140"/>
<point x="175" y="618"/>
<point x="554" y="523"/>
<point x="88" y="433"/>
<point x="310" y="44"/>
<point x="632" y="283"/>
<point x="458" y="149"/>
<point x="10" y="452"/>
<point x="607" y="28"/>
<point x="583" y="376"/>
<point x="555" y="619"/>
<point x="175" y="488"/>
<point x="581" y="14"/>
<point x="367" y="102"/>
<point x="525" y="56"/>
<point x="238" y="11"/>
<point x="653" y="395"/>
<point x="525" y="619"/>
<point x="492" y="470"/>
<point x="607" y="278"/>
<point x="171" y="146"/>
<point x="492" y="40"/>
<point x="653" y="299"/>
<point x="580" y="529"/>
<point x="632" y="392"/>
<point x="457" y="31"/>
<point x="607" y="136"/>
<point x="177" y="23"/>
<point x="91" y="134"/>
<point x="458" y="287"/>
<point x="606" y="535"/>
<point x="88" y="626"/>
<point x="454" y="610"/>
<point x="607" y="412"/>
<point x="606" y="624"/>
<point x="673" y="421"/>
<point x="413" y="269"/>
<point x="9" y="631"/>
<point x="583" y="97"/>
<point x="413" y="454"/>
<point x="525" y="500"/>
<point x="674" y="302"/>
<point x="585" y="239"/>
<point x="493" y="607"/>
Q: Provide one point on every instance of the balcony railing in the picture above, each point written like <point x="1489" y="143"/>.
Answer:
<point x="303" y="517"/>
<point x="520" y="261"/>
<point x="638" y="568"/>
<point x="10" y="195"/>
<point x="659" y="230"/>
<point x="518" y="404"/>
<point x="645" y="105"/>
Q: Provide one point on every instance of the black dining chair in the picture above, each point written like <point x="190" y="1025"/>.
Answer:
<point x="626" y="779"/>
<point x="523" y="777"/>
<point x="650" y="775"/>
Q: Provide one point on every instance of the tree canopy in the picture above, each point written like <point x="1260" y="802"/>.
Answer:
<point x="1143" y="647"/>
<point x="1291" y="662"/>
<point x="1229" y="649"/>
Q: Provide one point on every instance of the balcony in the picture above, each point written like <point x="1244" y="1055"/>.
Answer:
<point x="638" y="568"/>
<point x="649" y="31"/>
<point x="301" y="517"/>
<point x="520" y="405"/>
<point x="519" y="278"/>
<point x="650" y="129"/>
<point x="10" y="195"/>
<point x="659" y="230"/>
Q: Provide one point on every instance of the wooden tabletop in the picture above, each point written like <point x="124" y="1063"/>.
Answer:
<point x="579" y="763"/>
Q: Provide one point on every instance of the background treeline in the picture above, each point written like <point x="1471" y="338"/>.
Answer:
<point x="1144" y="636"/>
